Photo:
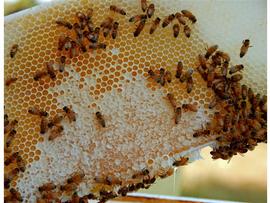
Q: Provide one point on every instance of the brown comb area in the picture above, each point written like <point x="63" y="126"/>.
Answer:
<point x="125" y="61"/>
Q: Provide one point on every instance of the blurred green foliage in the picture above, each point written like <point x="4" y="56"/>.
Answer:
<point x="12" y="7"/>
<point x="214" y="189"/>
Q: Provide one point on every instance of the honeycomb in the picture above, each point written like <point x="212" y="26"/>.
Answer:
<point x="140" y="131"/>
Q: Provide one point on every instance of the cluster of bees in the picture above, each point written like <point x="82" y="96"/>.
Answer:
<point x="13" y="161"/>
<point x="149" y="12"/>
<point x="241" y="124"/>
<point x="16" y="164"/>
<point x="52" y="192"/>
<point x="52" y="125"/>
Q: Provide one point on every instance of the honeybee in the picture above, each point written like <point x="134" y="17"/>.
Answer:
<point x="14" y="50"/>
<point x="80" y="43"/>
<point x="148" y="180"/>
<point x="37" y="112"/>
<point x="210" y="76"/>
<point x="97" y="46"/>
<point x="181" y="162"/>
<point x="117" y="10"/>
<point x="236" y="78"/>
<point x="66" y="24"/>
<point x="46" y="187"/>
<point x="261" y="134"/>
<point x="9" y="81"/>
<point x="10" y="126"/>
<point x="143" y="172"/>
<point x="81" y="17"/>
<point x="106" y="195"/>
<point x="11" y="158"/>
<point x="176" y="29"/>
<point x="10" y="137"/>
<point x="250" y="95"/>
<point x="180" y="18"/>
<point x="168" y="20"/>
<point x="263" y="102"/>
<point x="244" y="91"/>
<point x="172" y="100"/>
<point x="123" y="191"/>
<point x="154" y="26"/>
<point x="189" y="15"/>
<point x="21" y="163"/>
<point x="202" y="61"/>
<point x="186" y="75"/>
<point x="68" y="187"/>
<point x="78" y="30"/>
<point x="189" y="107"/>
<point x="187" y="31"/>
<point x="143" y="5"/>
<point x="164" y="174"/>
<point x="178" y="115"/>
<point x="62" y="63"/>
<point x="139" y="28"/>
<point x="168" y="76"/>
<point x="179" y="69"/>
<point x="67" y="43"/>
<point x="137" y="18"/>
<point x="76" y="178"/>
<point x="101" y="180"/>
<point x="202" y="72"/>
<point x="210" y="51"/>
<point x="201" y="132"/>
<point x="254" y="124"/>
<point x="11" y="175"/>
<point x="236" y="68"/>
<point x="190" y="84"/>
<point x="244" y="47"/>
<point x="214" y="102"/>
<point x="100" y="119"/>
<point x="50" y="70"/>
<point x="215" y="154"/>
<point x="224" y="56"/>
<point x="6" y="182"/>
<point x="43" y="125"/>
<point x="75" y="198"/>
<point x="224" y="69"/>
<point x="70" y="113"/>
<point x="90" y="25"/>
<point x="56" y="132"/>
<point x="256" y="101"/>
<point x="152" y="74"/>
<point x="161" y="78"/>
<point x="150" y="10"/>
<point x="73" y="52"/>
<point x="40" y="74"/>
<point x="115" y="29"/>
<point x="216" y="60"/>
<point x="106" y="25"/>
<point x="15" y="195"/>
<point x="61" y="42"/>
<point x="227" y="122"/>
<point x="56" y="120"/>
<point x="113" y="181"/>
